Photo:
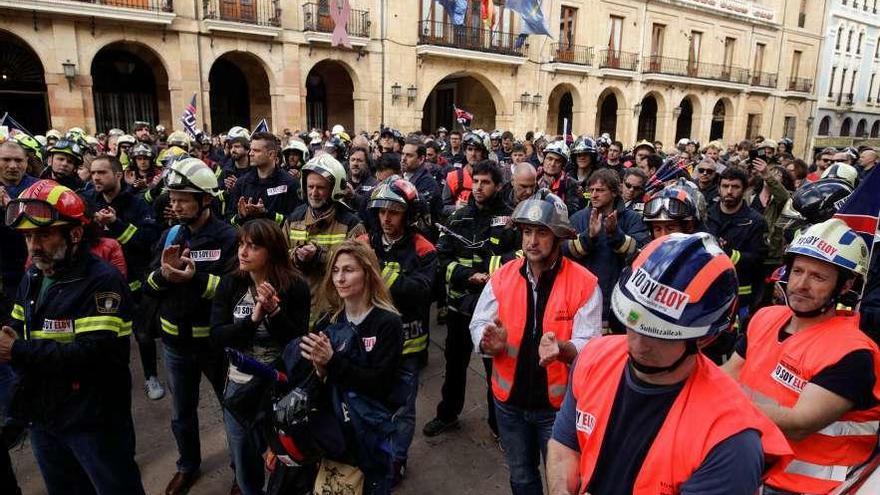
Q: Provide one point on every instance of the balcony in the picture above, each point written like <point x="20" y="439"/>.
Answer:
<point x="616" y="59"/>
<point x="763" y="79"/>
<point x="142" y="11"/>
<point x="693" y="69"/>
<point x="317" y="19"/>
<point x="842" y="100"/>
<point x="800" y="84"/>
<point x="469" y="42"/>
<point x="262" y="17"/>
<point x="566" y="53"/>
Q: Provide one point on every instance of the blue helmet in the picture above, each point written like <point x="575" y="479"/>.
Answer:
<point x="680" y="287"/>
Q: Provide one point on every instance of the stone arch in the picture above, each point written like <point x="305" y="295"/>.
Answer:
<point x="23" y="83"/>
<point x="722" y="119"/>
<point x="498" y="100"/>
<point x="688" y="117"/>
<point x="875" y="129"/>
<point x="240" y="90"/>
<point x="129" y="82"/>
<point x="563" y="102"/>
<point x="330" y="95"/>
<point x="846" y="127"/>
<point x="652" y="106"/>
<point x="825" y="126"/>
<point x="862" y="128"/>
<point x="608" y="105"/>
<point x="467" y="90"/>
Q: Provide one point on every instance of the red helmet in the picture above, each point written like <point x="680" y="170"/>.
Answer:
<point x="46" y="204"/>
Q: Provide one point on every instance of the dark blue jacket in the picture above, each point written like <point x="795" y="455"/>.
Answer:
<point x="13" y="246"/>
<point x="606" y="256"/>
<point x="279" y="193"/>
<point x="743" y="236"/>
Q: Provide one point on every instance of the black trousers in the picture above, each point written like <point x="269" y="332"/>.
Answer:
<point x="459" y="348"/>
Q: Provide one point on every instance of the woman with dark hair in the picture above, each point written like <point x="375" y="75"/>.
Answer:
<point x="359" y="309"/>
<point x="258" y="310"/>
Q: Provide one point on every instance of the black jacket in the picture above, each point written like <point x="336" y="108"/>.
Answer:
<point x="488" y="243"/>
<point x="73" y="351"/>
<point x="185" y="309"/>
<point x="231" y="324"/>
<point x="743" y="236"/>
<point x="279" y="193"/>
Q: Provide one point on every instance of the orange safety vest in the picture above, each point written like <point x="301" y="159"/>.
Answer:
<point x="709" y="409"/>
<point x="779" y="371"/>
<point x="572" y="288"/>
<point x="460" y="183"/>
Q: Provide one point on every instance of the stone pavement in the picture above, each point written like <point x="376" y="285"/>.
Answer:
<point x="464" y="461"/>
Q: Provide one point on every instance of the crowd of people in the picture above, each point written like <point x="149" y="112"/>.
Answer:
<point x="652" y="320"/>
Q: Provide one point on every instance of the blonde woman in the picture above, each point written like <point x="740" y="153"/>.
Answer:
<point x="364" y="372"/>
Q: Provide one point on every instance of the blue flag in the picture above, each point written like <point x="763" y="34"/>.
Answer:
<point x="189" y="118"/>
<point x="861" y="209"/>
<point x="262" y="126"/>
<point x="532" y="16"/>
<point x="456" y="10"/>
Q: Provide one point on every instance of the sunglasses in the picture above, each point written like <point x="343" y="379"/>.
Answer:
<point x="705" y="171"/>
<point x="826" y="160"/>
<point x="632" y="186"/>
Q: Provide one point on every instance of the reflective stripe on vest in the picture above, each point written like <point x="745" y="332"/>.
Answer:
<point x="171" y="329"/>
<point x="709" y="409"/>
<point x="778" y="372"/>
<point x="323" y="240"/>
<point x="572" y="288"/>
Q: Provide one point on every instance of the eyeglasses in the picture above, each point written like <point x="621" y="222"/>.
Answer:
<point x="705" y="171"/>
<point x="632" y="186"/>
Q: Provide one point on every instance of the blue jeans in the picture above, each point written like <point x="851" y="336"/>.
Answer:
<point x="524" y="435"/>
<point x="185" y="368"/>
<point x="246" y="447"/>
<point x="405" y="418"/>
<point x="98" y="461"/>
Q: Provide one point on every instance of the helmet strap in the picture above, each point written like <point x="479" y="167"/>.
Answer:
<point x="689" y="350"/>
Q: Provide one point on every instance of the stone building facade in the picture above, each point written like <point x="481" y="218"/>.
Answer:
<point x="660" y="70"/>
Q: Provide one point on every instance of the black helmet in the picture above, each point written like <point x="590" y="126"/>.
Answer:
<point x="473" y="139"/>
<point x="289" y="430"/>
<point x="818" y="201"/>
<point x="397" y="194"/>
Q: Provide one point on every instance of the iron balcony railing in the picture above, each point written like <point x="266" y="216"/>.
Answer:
<point x="616" y="59"/>
<point x="259" y="12"/>
<point x="572" y="54"/>
<point x="152" y="5"/>
<point x="800" y="84"/>
<point x="842" y="99"/>
<point x="470" y="38"/>
<point x="316" y="17"/>
<point x="763" y="79"/>
<point x="691" y="68"/>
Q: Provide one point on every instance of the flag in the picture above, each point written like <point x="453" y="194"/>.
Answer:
<point x="189" y="118"/>
<point x="531" y="14"/>
<point x="13" y="125"/>
<point x="462" y="116"/>
<point x="520" y="40"/>
<point x="262" y="126"/>
<point x="487" y="13"/>
<point x="861" y="209"/>
<point x="455" y="9"/>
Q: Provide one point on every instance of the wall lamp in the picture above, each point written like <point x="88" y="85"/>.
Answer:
<point x="69" y="73"/>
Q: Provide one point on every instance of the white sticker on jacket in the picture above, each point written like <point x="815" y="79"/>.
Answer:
<point x="205" y="255"/>
<point x="585" y="422"/>
<point x="57" y="326"/>
<point x="788" y="378"/>
<point x="274" y="191"/>
<point x="369" y="343"/>
<point x="652" y="294"/>
<point x="499" y="221"/>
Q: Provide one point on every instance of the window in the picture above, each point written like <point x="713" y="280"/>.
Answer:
<point x="802" y="14"/>
<point x="789" y="126"/>
<point x="696" y="39"/>
<point x="871" y="87"/>
<point x="839" y="37"/>
<point x="616" y="34"/>
<point x="842" y="81"/>
<point x="729" y="47"/>
<point x="758" y="63"/>
<point x="831" y="82"/>
<point x="849" y="41"/>
<point x="795" y="64"/>
<point x="877" y="49"/>
<point x="658" y="33"/>
<point x="852" y="83"/>
<point x="825" y="126"/>
<point x="753" y="125"/>
<point x="859" y="43"/>
<point x="567" y="23"/>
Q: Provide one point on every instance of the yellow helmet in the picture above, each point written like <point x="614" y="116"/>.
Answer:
<point x="179" y="139"/>
<point x="192" y="175"/>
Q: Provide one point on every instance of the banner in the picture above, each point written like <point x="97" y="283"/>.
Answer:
<point x="189" y="118"/>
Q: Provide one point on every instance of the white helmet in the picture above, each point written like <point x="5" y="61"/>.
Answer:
<point x="558" y="147"/>
<point x="296" y="145"/>
<point x="238" y="132"/>
<point x="329" y="168"/>
<point x="337" y="129"/>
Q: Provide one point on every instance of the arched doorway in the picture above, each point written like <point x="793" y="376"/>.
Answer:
<point x="22" y="84"/>
<point x="875" y="129"/>
<point x="129" y="83"/>
<point x="239" y="92"/>
<point x="862" y="128"/>
<point x="329" y="96"/>
<point x="463" y="91"/>
<point x="560" y="106"/>
<point x="607" y="114"/>
<point x="825" y="126"/>
<point x="684" y="125"/>
<point x="846" y="127"/>
<point x="647" y="129"/>
<point x="716" y="131"/>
